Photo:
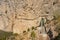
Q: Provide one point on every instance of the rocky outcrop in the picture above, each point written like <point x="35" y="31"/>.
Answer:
<point x="19" y="15"/>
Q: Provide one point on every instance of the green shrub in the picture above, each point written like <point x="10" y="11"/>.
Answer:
<point x="33" y="28"/>
<point x="24" y="31"/>
<point x="15" y="34"/>
<point x="33" y="35"/>
<point x="28" y="29"/>
<point x="4" y="35"/>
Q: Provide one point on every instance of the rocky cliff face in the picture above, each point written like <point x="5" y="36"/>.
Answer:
<point x="19" y="15"/>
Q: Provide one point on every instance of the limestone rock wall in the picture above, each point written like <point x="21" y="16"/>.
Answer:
<point x="19" y="15"/>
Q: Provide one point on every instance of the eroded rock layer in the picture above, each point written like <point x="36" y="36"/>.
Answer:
<point x="19" y="15"/>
